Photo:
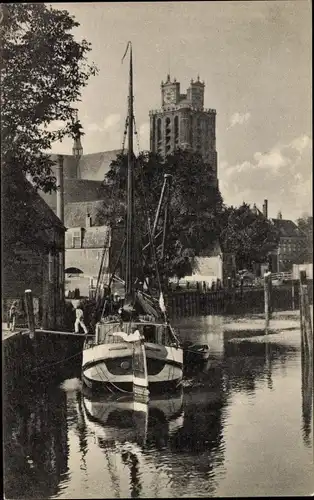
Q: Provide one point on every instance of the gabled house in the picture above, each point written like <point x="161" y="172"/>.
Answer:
<point x="85" y="243"/>
<point x="291" y="244"/>
<point x="32" y="251"/>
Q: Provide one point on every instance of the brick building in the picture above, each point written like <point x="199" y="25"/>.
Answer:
<point x="84" y="245"/>
<point x="291" y="242"/>
<point x="87" y="238"/>
<point x="32" y="250"/>
<point x="183" y="122"/>
<point x="291" y="245"/>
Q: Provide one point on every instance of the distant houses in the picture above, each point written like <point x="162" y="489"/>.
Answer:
<point x="291" y="242"/>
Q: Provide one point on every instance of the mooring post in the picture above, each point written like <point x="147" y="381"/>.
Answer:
<point x="30" y="312"/>
<point x="267" y="279"/>
<point x="305" y="315"/>
<point x="302" y="277"/>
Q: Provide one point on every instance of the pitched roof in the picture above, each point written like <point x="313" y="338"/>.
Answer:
<point x="92" y="167"/>
<point x="75" y="213"/>
<point x="256" y="210"/>
<point x="287" y="228"/>
<point x="18" y="195"/>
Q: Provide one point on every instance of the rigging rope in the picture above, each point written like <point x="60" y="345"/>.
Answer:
<point x="136" y="134"/>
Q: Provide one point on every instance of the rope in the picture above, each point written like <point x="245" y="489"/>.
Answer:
<point x="136" y="134"/>
<point x="57" y="362"/>
<point x="124" y="133"/>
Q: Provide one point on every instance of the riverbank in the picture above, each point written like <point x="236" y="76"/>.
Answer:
<point x="282" y="326"/>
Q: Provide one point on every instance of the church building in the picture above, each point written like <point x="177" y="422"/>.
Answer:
<point x="183" y="122"/>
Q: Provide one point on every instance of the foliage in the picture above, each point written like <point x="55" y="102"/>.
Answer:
<point x="247" y="234"/>
<point x="305" y="224"/>
<point x="43" y="70"/>
<point x="194" y="203"/>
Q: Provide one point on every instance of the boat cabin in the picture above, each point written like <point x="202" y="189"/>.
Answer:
<point x="155" y="333"/>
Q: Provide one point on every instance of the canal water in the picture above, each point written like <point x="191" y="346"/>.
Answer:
<point x="240" y="426"/>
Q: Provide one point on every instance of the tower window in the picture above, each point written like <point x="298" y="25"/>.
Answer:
<point x="159" y="129"/>
<point x="168" y="132"/>
<point x="176" y="128"/>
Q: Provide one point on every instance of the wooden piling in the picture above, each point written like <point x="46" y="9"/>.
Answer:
<point x="267" y="299"/>
<point x="30" y="312"/>
<point x="293" y="296"/>
<point x="305" y="316"/>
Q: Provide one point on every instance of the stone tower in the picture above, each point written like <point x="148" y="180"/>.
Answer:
<point x="183" y="122"/>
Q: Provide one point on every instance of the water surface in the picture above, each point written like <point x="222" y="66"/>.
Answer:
<point x="241" y="426"/>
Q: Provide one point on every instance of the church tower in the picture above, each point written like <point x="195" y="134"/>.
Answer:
<point x="77" y="149"/>
<point x="182" y="122"/>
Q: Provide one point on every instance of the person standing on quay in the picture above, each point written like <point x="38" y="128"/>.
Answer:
<point x="12" y="316"/>
<point x="79" y="320"/>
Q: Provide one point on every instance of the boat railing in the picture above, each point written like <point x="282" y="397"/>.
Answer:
<point x="153" y="333"/>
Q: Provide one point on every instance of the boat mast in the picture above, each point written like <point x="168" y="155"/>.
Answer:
<point x="130" y="193"/>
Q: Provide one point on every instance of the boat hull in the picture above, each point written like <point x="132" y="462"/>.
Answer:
<point x="109" y="367"/>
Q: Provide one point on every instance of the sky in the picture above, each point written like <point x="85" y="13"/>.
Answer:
<point x="256" y="60"/>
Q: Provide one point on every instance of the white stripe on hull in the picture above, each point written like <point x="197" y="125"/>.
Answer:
<point x="98" y="372"/>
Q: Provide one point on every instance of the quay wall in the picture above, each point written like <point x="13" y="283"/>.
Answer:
<point x="46" y="356"/>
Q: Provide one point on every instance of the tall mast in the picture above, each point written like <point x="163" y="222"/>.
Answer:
<point x="130" y="194"/>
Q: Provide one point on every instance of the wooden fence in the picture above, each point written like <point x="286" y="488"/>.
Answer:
<point x="233" y="301"/>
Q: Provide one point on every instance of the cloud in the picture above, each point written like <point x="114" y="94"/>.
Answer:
<point x="111" y="122"/>
<point x="239" y="118"/>
<point x="93" y="127"/>
<point x="283" y="175"/>
<point x="301" y="143"/>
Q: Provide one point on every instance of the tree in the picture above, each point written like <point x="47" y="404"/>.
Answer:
<point x="246" y="234"/>
<point x="194" y="203"/>
<point x="43" y="70"/>
<point x="305" y="224"/>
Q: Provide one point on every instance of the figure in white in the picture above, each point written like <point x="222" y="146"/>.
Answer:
<point x="79" y="321"/>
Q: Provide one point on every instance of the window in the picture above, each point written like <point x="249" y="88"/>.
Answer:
<point x="50" y="267"/>
<point x="176" y="128"/>
<point x="159" y="129"/>
<point x="61" y="270"/>
<point x="76" y="239"/>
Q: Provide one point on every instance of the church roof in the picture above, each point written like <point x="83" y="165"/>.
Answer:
<point x="95" y="166"/>
<point x="92" y="167"/>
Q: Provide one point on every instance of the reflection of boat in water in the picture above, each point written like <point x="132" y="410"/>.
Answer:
<point x="118" y="420"/>
<point x="165" y="442"/>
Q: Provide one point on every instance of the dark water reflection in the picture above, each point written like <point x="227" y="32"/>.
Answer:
<point x="242" y="425"/>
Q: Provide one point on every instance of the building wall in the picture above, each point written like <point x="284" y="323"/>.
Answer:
<point x="86" y="259"/>
<point x="207" y="269"/>
<point x="42" y="273"/>
<point x="33" y="253"/>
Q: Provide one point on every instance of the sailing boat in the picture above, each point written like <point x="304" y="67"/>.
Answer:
<point x="109" y="359"/>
